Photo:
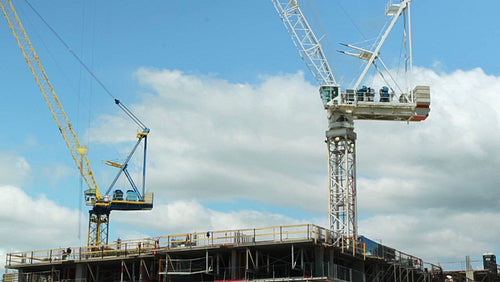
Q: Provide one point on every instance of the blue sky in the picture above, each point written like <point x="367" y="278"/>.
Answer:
<point x="238" y="127"/>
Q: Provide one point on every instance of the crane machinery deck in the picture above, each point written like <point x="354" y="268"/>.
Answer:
<point x="102" y="204"/>
<point x="343" y="106"/>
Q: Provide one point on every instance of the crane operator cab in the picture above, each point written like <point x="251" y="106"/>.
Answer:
<point x="90" y="197"/>
<point x="328" y="93"/>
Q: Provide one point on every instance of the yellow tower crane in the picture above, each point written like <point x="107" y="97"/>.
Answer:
<point x="102" y="204"/>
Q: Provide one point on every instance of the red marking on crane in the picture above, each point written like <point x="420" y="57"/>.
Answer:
<point x="418" y="118"/>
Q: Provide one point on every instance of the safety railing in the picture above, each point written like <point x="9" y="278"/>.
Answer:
<point x="351" y="246"/>
<point x="403" y="259"/>
<point x="245" y="236"/>
<point x="276" y="234"/>
<point x="121" y="248"/>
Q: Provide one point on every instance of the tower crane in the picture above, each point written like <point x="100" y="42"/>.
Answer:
<point x="102" y="204"/>
<point x="343" y="106"/>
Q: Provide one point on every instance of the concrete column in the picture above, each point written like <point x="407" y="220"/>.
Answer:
<point x="319" y="254"/>
<point x="332" y="271"/>
<point x="81" y="273"/>
<point x="234" y="263"/>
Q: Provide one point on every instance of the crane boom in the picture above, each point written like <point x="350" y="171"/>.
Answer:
<point x="78" y="152"/>
<point x="305" y="40"/>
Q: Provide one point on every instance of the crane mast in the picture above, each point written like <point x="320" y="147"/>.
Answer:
<point x="343" y="106"/>
<point x="102" y="205"/>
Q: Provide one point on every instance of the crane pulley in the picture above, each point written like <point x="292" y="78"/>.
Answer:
<point x="102" y="203"/>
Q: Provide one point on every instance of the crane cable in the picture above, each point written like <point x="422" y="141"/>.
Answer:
<point x="123" y="107"/>
<point x="129" y="113"/>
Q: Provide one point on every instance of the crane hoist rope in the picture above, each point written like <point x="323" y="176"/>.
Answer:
<point x="66" y="45"/>
<point x="102" y="204"/>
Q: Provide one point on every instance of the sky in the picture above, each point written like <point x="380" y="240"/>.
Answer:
<point x="237" y="125"/>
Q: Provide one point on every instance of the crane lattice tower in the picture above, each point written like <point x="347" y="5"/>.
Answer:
<point x="392" y="103"/>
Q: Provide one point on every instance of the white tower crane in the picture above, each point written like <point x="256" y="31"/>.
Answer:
<point x="343" y="106"/>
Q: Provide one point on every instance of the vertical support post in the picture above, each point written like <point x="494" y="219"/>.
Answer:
<point x="206" y="261"/>
<point x="234" y="255"/>
<point x="144" y="168"/>
<point x="302" y="266"/>
<point x="268" y="264"/>
<point x="217" y="264"/>
<point x="133" y="271"/>
<point x="160" y="270"/>
<point x="246" y="260"/>
<point x="257" y="259"/>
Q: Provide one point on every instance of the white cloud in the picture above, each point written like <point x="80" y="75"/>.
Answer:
<point x="448" y="160"/>
<point x="189" y="216"/>
<point x="29" y="223"/>
<point x="428" y="189"/>
<point x="436" y="235"/>
<point x="432" y="188"/>
<point x="14" y="169"/>
<point x="23" y="216"/>
<point x="213" y="140"/>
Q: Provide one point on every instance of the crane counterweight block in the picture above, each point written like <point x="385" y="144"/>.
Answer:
<point x="422" y="96"/>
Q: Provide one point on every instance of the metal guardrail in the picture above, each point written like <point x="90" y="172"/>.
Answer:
<point x="402" y="259"/>
<point x="146" y="246"/>
<point x="277" y="234"/>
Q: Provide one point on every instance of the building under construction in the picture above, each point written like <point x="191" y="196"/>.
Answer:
<point x="281" y="253"/>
